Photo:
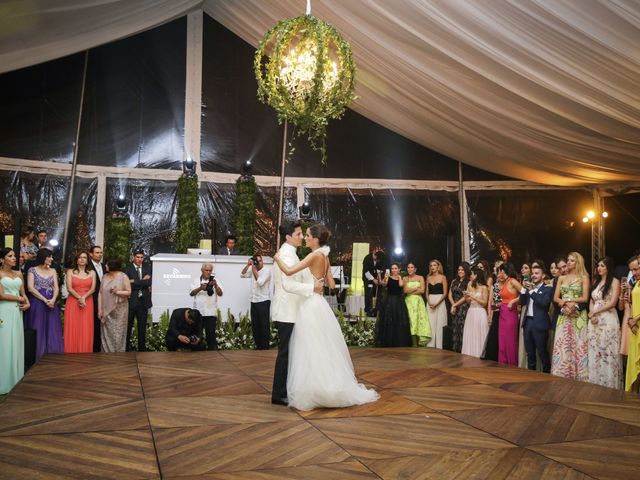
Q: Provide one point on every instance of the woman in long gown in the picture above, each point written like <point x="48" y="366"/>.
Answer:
<point x="509" y="326"/>
<point x="320" y="369"/>
<point x="78" y="312"/>
<point x="491" y="346"/>
<point x="604" y="328"/>
<point x="476" y="325"/>
<point x="459" y="306"/>
<point x="113" y="307"/>
<point x="418" y="318"/>
<point x="13" y="302"/>
<point x="437" y="289"/>
<point x="392" y="328"/>
<point x="571" y="346"/>
<point x="44" y="314"/>
<point x="632" y="299"/>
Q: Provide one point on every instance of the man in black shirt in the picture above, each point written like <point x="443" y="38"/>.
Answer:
<point x="185" y="330"/>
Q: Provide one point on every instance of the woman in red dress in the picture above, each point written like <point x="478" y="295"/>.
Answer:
<point x="78" y="313"/>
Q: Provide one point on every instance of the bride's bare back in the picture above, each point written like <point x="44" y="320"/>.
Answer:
<point x="319" y="268"/>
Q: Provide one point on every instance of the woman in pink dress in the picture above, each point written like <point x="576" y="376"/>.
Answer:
<point x="509" y="323"/>
<point x="78" y="312"/>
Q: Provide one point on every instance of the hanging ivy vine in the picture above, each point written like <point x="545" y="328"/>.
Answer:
<point x="244" y="214"/>
<point x="305" y="72"/>
<point x="118" y="238"/>
<point x="188" y="230"/>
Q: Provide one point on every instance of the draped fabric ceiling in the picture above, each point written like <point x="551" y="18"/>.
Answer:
<point x="542" y="90"/>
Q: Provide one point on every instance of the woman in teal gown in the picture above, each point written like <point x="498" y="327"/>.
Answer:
<point x="13" y="301"/>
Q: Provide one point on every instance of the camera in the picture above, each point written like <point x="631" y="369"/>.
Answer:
<point x="193" y="339"/>
<point x="212" y="278"/>
<point x="254" y="260"/>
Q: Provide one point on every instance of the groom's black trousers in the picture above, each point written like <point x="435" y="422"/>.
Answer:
<point x="279" y="390"/>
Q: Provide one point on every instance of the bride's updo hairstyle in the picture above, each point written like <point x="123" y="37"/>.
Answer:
<point x="320" y="232"/>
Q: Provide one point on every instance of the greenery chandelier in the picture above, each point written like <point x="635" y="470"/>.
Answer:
<point x="305" y="71"/>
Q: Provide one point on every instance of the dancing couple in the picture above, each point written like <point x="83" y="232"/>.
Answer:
<point x="313" y="367"/>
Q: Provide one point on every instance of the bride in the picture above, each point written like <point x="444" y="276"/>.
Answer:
<point x="320" y="370"/>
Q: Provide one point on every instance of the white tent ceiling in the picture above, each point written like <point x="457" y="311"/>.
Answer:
<point x="541" y="90"/>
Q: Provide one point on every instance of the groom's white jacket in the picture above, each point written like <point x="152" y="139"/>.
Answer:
<point x="289" y="291"/>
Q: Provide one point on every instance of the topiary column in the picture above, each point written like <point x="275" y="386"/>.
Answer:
<point x="244" y="214"/>
<point x="188" y="232"/>
<point x="118" y="235"/>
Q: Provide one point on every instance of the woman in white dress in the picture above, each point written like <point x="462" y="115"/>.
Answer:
<point x="604" y="328"/>
<point x="320" y="370"/>
<point x="476" y="325"/>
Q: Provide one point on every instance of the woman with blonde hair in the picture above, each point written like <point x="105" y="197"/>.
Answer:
<point x="570" y="357"/>
<point x="436" y="295"/>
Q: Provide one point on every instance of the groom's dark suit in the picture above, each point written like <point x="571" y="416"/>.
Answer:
<point x="139" y="302"/>
<point x="536" y="325"/>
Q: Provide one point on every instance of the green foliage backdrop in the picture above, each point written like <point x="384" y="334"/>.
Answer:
<point x="188" y="231"/>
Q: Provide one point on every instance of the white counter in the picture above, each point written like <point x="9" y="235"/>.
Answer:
<point x="173" y="275"/>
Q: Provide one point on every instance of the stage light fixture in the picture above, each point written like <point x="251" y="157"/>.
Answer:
<point x="121" y="203"/>
<point x="189" y="167"/>
<point x="398" y="251"/>
<point x="591" y="214"/>
<point x="305" y="211"/>
<point x="247" y="168"/>
<point x="585" y="219"/>
<point x="53" y="242"/>
<point x="605" y="214"/>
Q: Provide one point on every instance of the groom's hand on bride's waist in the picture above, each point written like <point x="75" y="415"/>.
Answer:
<point x="318" y="286"/>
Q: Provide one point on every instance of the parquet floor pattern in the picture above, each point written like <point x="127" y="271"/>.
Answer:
<point x="208" y="415"/>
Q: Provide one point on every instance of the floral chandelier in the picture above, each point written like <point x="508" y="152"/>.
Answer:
<point x="305" y="71"/>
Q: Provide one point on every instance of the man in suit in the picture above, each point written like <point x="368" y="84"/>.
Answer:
<point x="139" y="274"/>
<point x="95" y="255"/>
<point x="536" y="301"/>
<point x="288" y="292"/>
<point x="368" y="266"/>
<point x="229" y="247"/>
<point x="185" y="330"/>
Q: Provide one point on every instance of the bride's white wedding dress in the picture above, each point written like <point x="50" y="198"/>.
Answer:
<point x="320" y="370"/>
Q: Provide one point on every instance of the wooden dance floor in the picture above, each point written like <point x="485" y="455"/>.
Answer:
<point x="208" y="415"/>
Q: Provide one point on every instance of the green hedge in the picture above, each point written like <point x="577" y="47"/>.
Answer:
<point x="244" y="214"/>
<point x="188" y="229"/>
<point x="118" y="236"/>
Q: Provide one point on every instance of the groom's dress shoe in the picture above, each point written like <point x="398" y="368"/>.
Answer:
<point x="279" y="401"/>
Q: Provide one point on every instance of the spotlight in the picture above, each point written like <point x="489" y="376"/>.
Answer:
<point x="53" y="242"/>
<point x="246" y="169"/>
<point x="605" y="214"/>
<point x="189" y="167"/>
<point x="591" y="214"/>
<point x="585" y="219"/>
<point x="121" y="203"/>
<point x="305" y="210"/>
<point x="398" y="251"/>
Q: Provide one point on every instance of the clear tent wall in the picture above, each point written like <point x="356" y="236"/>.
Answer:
<point x="153" y="99"/>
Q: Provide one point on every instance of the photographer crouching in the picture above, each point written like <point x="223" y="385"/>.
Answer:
<point x="205" y="292"/>
<point x="185" y="330"/>
<point x="260" y="300"/>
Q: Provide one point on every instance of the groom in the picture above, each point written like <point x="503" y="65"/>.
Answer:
<point x="288" y="292"/>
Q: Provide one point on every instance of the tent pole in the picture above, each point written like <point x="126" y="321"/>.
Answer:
<point x="74" y="164"/>
<point x="281" y="202"/>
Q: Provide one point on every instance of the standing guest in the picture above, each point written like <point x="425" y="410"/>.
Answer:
<point x="22" y="262"/>
<point x="368" y="276"/>
<point x="260" y="300"/>
<point x="229" y="247"/>
<point x="560" y="264"/>
<point x="185" y="330"/>
<point x="459" y="306"/>
<point x="632" y="377"/>
<point x="393" y="327"/>
<point x="380" y="269"/>
<point x="535" y="298"/>
<point x="139" y="274"/>
<point x="44" y="314"/>
<point x="113" y="308"/>
<point x="418" y="318"/>
<point x="571" y="346"/>
<point x="437" y="289"/>
<point x="43" y="239"/>
<point x="604" y="327"/>
<point x="508" y="330"/>
<point x="27" y="246"/>
<point x="13" y="302"/>
<point x="205" y="292"/>
<point x="476" y="325"/>
<point x="491" y="347"/>
<point x="95" y="254"/>
<point x="78" y="312"/>
<point x="525" y="272"/>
